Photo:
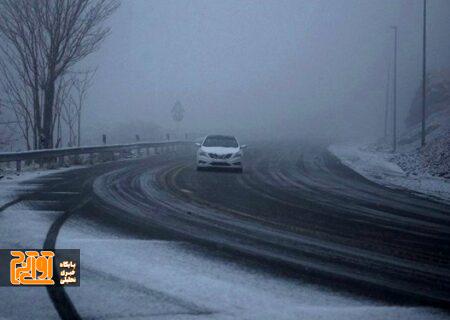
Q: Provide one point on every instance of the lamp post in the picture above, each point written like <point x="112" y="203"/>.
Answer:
<point x="424" y="72"/>
<point x="386" y="107"/>
<point x="395" y="90"/>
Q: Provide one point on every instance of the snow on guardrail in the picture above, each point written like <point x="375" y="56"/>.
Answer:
<point x="62" y="152"/>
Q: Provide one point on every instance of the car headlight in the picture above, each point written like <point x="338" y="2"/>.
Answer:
<point x="202" y="153"/>
<point x="237" y="154"/>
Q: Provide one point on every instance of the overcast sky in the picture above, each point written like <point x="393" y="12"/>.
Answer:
<point x="263" y="67"/>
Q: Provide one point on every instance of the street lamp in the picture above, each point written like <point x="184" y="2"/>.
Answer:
<point x="386" y="107"/>
<point x="395" y="89"/>
<point x="424" y="72"/>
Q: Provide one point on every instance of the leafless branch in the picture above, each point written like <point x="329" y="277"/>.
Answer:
<point x="40" y="42"/>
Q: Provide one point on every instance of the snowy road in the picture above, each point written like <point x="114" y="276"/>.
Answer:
<point x="296" y="236"/>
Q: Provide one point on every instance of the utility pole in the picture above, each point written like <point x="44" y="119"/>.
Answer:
<point x="386" y="108"/>
<point x="395" y="89"/>
<point x="424" y="72"/>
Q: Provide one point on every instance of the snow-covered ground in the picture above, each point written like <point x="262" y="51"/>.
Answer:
<point x="123" y="276"/>
<point x="22" y="227"/>
<point x="381" y="167"/>
<point x="13" y="183"/>
<point x="422" y="170"/>
<point x="154" y="279"/>
<point x="434" y="158"/>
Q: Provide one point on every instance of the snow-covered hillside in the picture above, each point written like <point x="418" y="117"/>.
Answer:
<point x="425" y="170"/>
<point x="434" y="158"/>
<point x="382" y="167"/>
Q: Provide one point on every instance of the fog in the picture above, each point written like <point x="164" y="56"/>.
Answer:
<point x="272" y="69"/>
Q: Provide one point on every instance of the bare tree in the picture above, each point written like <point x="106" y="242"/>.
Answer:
<point x="74" y="103"/>
<point x="62" y="95"/>
<point x="178" y="114"/>
<point x="16" y="99"/>
<point x="8" y="132"/>
<point x="68" y="114"/>
<point x="40" y="41"/>
<point x="78" y="97"/>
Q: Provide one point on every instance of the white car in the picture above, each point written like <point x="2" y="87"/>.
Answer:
<point x="220" y="151"/>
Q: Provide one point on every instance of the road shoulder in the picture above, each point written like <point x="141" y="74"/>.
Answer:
<point x="381" y="168"/>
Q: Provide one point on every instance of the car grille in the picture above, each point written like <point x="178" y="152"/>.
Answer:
<point x="226" y="164"/>
<point x="220" y="156"/>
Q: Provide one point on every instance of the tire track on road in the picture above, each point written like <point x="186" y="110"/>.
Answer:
<point x="427" y="266"/>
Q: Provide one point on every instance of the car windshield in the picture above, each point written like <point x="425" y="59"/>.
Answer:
<point x="220" y="141"/>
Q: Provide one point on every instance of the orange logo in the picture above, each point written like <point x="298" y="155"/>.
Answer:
<point x="31" y="268"/>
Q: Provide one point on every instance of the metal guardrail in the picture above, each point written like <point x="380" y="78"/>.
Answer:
<point x="18" y="157"/>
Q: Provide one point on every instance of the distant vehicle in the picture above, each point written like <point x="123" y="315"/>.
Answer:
<point x="220" y="151"/>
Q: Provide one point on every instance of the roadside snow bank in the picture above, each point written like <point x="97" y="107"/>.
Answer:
<point x="434" y="158"/>
<point x="13" y="183"/>
<point x="381" y="167"/>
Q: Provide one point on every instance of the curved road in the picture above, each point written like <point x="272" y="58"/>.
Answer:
<point x="298" y="207"/>
<point x="294" y="214"/>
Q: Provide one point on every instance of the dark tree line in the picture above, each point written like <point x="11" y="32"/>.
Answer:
<point x="41" y="41"/>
